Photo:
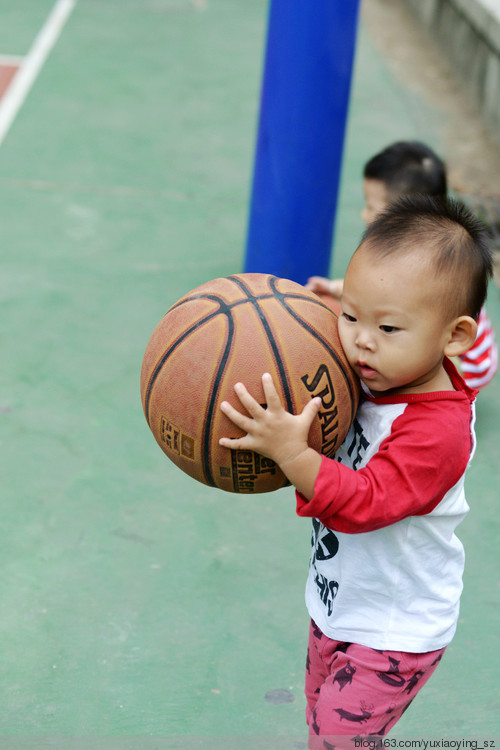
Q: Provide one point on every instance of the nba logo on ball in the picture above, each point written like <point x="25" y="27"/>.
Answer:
<point x="235" y="329"/>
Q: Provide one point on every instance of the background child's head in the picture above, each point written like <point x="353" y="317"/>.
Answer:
<point x="448" y="239"/>
<point x="403" y="168"/>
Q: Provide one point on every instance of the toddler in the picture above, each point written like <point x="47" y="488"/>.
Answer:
<point x="385" y="573"/>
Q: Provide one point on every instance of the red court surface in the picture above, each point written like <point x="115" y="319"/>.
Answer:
<point x="7" y="73"/>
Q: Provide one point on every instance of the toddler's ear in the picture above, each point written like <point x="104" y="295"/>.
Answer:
<point x="462" y="334"/>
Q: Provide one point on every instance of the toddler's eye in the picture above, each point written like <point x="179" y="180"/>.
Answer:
<point x="349" y="318"/>
<point x="389" y="329"/>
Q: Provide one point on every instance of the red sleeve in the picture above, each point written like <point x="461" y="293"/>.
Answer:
<point x="424" y="456"/>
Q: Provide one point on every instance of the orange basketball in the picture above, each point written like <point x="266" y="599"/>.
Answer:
<point x="331" y="301"/>
<point x="235" y="329"/>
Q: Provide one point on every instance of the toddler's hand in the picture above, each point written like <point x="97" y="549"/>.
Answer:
<point x="321" y="285"/>
<point x="272" y="432"/>
<point x="318" y="284"/>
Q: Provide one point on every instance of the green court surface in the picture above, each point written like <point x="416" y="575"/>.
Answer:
<point x="137" y="603"/>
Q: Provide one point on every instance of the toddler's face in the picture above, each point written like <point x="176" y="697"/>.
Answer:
<point x="392" y="326"/>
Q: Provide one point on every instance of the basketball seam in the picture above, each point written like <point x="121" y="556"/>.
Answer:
<point x="281" y="298"/>
<point x="159" y="364"/>
<point x="225" y="309"/>
<point x="209" y="413"/>
<point x="274" y="346"/>
<point x="271" y="339"/>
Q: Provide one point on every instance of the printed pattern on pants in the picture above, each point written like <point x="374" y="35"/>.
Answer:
<point x="357" y="690"/>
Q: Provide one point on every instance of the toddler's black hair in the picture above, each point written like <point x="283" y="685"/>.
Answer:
<point x="458" y="241"/>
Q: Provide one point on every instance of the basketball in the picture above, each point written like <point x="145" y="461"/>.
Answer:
<point x="331" y="301"/>
<point x="235" y="329"/>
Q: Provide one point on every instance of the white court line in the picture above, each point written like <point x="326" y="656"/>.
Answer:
<point x="14" y="97"/>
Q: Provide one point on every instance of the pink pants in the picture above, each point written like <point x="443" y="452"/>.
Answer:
<point x="356" y="690"/>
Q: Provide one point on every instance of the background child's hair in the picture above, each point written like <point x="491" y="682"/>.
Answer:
<point x="408" y="167"/>
<point x="458" y="241"/>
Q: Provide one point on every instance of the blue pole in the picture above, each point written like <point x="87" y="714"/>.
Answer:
<point x="304" y="104"/>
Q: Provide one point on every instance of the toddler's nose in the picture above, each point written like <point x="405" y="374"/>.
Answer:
<point x="364" y="340"/>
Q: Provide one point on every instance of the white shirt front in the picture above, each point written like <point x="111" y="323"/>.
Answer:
<point x="386" y="566"/>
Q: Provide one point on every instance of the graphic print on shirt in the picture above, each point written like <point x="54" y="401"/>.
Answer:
<point x="355" y="445"/>
<point x="325" y="542"/>
<point x="325" y="545"/>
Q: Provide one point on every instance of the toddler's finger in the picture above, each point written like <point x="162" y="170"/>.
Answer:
<point x="247" y="400"/>
<point x="236" y="417"/>
<point x="233" y="443"/>
<point x="311" y="409"/>
<point x="273" y="400"/>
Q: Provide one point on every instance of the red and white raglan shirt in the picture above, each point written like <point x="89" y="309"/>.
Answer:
<point x="480" y="363"/>
<point x="386" y="567"/>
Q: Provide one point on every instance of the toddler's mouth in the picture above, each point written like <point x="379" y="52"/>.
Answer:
<point x="365" y="371"/>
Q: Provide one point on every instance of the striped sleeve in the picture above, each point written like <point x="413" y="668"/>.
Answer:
<point x="480" y="363"/>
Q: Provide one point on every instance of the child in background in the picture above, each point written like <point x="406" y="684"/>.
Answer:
<point x="408" y="168"/>
<point x="385" y="574"/>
